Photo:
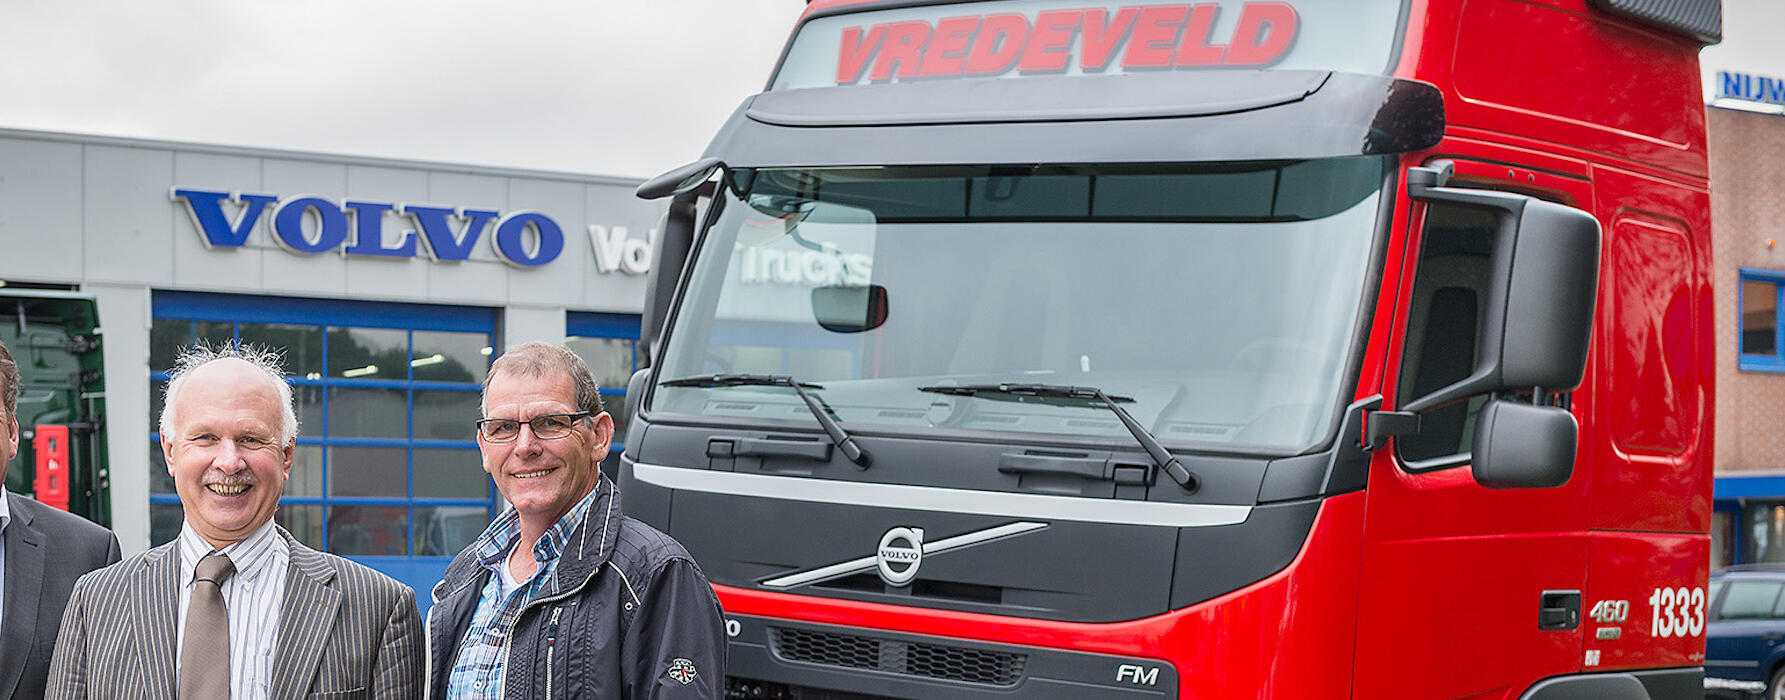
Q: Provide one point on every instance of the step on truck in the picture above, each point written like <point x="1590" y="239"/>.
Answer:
<point x="1216" y="349"/>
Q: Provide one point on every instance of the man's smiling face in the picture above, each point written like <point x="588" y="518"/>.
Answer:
<point x="225" y="452"/>
<point x="543" y="478"/>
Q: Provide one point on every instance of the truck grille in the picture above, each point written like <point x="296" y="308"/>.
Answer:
<point x="901" y="657"/>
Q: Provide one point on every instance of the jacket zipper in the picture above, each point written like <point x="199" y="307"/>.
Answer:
<point x="508" y="638"/>
<point x="507" y="656"/>
<point x="551" y="639"/>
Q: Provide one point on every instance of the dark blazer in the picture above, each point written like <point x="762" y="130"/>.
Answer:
<point x="345" y="631"/>
<point x="46" y="550"/>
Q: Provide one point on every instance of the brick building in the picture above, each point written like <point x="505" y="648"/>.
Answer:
<point x="1747" y="181"/>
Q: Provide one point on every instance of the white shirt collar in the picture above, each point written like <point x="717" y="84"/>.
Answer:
<point x="251" y="556"/>
<point x="6" y="512"/>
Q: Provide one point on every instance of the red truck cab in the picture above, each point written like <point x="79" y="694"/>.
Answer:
<point x="1218" y="349"/>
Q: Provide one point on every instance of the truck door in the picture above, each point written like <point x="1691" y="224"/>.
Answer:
<point x="1465" y="589"/>
<point x="55" y="338"/>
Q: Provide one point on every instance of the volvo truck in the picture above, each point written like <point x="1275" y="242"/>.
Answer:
<point x="1217" y="349"/>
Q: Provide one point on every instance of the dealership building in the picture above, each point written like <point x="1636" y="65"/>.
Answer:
<point x="389" y="284"/>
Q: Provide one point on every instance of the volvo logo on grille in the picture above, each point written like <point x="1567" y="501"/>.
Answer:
<point x="900" y="553"/>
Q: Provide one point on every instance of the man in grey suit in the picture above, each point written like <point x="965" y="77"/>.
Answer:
<point x="235" y="607"/>
<point x="42" y="552"/>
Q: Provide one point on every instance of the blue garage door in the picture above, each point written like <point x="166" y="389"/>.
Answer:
<point x="386" y="471"/>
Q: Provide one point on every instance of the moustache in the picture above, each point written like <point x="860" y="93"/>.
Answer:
<point x="244" y="478"/>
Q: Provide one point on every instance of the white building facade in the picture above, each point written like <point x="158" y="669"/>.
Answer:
<point x="389" y="285"/>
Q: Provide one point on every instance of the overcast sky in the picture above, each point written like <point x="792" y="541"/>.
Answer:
<point x="612" y="87"/>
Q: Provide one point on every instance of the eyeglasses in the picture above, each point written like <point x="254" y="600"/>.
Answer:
<point x="550" y="426"/>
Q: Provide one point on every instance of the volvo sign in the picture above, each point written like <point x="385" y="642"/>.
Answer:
<point x="899" y="555"/>
<point x="311" y="224"/>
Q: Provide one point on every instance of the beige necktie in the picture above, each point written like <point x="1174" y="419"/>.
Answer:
<point x="204" y="653"/>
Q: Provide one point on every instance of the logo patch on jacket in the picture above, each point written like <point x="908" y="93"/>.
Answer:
<point x="682" y="670"/>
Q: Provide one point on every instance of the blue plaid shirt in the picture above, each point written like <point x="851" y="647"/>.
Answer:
<point x="478" y="671"/>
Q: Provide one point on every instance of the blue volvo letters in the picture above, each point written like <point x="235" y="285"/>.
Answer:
<point x="206" y="209"/>
<point x="522" y="238"/>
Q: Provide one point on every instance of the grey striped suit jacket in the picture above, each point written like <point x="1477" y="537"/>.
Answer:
<point x="345" y="631"/>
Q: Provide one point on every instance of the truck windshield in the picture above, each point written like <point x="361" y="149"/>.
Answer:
<point x="1221" y="299"/>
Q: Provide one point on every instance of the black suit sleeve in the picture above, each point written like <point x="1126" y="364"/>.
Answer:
<point x="675" y="647"/>
<point x="112" y="554"/>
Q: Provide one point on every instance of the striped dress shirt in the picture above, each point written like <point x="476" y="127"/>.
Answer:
<point x="253" y="595"/>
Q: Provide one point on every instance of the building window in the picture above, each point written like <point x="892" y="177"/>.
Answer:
<point x="386" y="464"/>
<point x="1722" y="538"/>
<point x="1765" y="533"/>
<point x="609" y="344"/>
<point x="1762" y="346"/>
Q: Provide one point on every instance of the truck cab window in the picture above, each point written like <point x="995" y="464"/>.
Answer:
<point x="1444" y="326"/>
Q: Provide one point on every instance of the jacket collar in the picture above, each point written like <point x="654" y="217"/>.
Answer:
<point x="589" y="546"/>
<point x="306" y="618"/>
<point x="154" y="591"/>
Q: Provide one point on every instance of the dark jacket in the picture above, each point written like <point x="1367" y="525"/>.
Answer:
<point x="627" y="614"/>
<point x="46" y="550"/>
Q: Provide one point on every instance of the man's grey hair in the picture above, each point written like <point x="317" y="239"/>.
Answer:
<point x="269" y="361"/>
<point x="537" y="359"/>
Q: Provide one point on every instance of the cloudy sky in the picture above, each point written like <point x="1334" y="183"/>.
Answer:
<point x="614" y="87"/>
<point x="617" y="87"/>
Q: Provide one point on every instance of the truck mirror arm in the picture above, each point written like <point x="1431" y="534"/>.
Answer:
<point x="680" y="180"/>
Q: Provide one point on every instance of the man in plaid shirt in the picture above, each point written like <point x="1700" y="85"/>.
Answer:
<point x="564" y="596"/>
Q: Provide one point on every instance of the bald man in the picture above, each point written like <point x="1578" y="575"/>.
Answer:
<point x="235" y="607"/>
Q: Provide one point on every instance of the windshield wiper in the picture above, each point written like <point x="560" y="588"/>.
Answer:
<point x="1093" y="395"/>
<point x="820" y="410"/>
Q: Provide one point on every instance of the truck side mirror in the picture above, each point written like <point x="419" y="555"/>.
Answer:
<point x="849" y="309"/>
<point x="1520" y="445"/>
<point x="685" y="184"/>
<point x="680" y="180"/>
<point x="635" y="391"/>
<point x="1517" y="317"/>
<point x="1538" y="311"/>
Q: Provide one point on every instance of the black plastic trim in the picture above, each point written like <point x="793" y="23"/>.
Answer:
<point x="1342" y="468"/>
<point x="1698" y="19"/>
<point x="1351" y="114"/>
<point x="1041" y="99"/>
<point x="1660" y="684"/>
<point x="1215" y="561"/>
<point x="1673" y="683"/>
<point x="1053" y="674"/>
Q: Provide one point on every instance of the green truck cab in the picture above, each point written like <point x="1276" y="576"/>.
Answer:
<point x="61" y="461"/>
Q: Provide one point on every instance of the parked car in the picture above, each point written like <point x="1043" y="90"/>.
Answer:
<point x="1743" y="650"/>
